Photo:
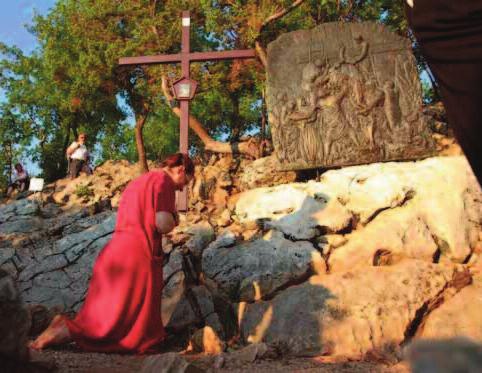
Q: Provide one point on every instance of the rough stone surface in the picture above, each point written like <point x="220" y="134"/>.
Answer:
<point x="170" y="362"/>
<point x="414" y="209"/>
<point x="177" y="312"/>
<point x="441" y="213"/>
<point x="445" y="356"/>
<point x="59" y="273"/>
<point x="264" y="172"/>
<point x="14" y="321"/>
<point x="18" y="210"/>
<point x="254" y="270"/>
<point x="206" y="340"/>
<point x="298" y="210"/>
<point x="107" y="183"/>
<point x="347" y="314"/>
<point x="460" y="315"/>
<point x="354" y="229"/>
<point x="201" y="235"/>
<point x="343" y="94"/>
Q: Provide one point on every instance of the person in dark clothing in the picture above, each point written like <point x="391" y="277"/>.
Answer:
<point x="450" y="37"/>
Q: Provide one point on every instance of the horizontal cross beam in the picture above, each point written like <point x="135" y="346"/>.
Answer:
<point x="192" y="57"/>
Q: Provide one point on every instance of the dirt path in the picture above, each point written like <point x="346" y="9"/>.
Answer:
<point x="71" y="361"/>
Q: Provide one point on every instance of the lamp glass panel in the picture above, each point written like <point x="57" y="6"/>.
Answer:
<point x="184" y="90"/>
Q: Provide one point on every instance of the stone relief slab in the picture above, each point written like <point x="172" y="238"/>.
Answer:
<point x="343" y="94"/>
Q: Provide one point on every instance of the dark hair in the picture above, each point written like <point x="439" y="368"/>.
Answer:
<point x="179" y="159"/>
<point x="17" y="165"/>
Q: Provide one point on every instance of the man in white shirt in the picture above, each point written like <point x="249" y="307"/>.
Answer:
<point x="78" y="156"/>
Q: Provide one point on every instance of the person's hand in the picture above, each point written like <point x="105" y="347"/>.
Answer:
<point x="165" y="222"/>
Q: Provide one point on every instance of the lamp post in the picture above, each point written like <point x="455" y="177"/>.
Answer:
<point x="185" y="88"/>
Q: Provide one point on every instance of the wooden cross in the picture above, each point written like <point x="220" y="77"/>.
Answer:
<point x="186" y="57"/>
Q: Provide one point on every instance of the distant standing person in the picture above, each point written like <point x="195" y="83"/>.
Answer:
<point x="78" y="156"/>
<point x="450" y="36"/>
<point x="20" y="180"/>
<point x="122" y="309"/>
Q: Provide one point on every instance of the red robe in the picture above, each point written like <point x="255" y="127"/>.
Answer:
<point x="122" y="309"/>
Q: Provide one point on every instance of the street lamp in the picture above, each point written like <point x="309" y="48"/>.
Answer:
<point x="184" y="89"/>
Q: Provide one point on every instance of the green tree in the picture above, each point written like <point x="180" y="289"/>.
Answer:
<point x="73" y="82"/>
<point x="14" y="135"/>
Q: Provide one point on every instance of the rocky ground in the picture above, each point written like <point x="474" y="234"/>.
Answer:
<point x="267" y="267"/>
<point x="80" y="362"/>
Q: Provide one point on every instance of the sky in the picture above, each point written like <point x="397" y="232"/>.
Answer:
<point x="15" y="15"/>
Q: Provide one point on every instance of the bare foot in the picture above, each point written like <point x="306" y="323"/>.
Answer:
<point x="56" y="333"/>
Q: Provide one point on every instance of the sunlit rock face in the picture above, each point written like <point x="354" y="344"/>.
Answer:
<point x="355" y="264"/>
<point x="350" y="313"/>
<point x="421" y="210"/>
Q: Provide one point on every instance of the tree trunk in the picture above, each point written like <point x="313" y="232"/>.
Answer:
<point x="234" y="118"/>
<point x="141" y="150"/>
<point x="10" y="159"/>
<point x="250" y="147"/>
<point x="76" y="134"/>
<point x="66" y="139"/>
<point x="66" y="163"/>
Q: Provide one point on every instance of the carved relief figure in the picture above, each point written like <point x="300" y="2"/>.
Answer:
<point x="335" y="125"/>
<point x="351" y="105"/>
<point x="313" y="78"/>
<point x="391" y="105"/>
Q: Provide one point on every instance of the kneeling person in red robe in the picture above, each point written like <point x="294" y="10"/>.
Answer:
<point x="122" y="309"/>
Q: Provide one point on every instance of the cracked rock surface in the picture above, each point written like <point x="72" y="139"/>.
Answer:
<point x="356" y="264"/>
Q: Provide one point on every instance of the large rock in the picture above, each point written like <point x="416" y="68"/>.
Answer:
<point x="18" y="209"/>
<point x="170" y="362"/>
<point x="350" y="314"/>
<point x="106" y="183"/>
<point x="59" y="272"/>
<point x="300" y="211"/>
<point x="201" y="235"/>
<point x="22" y="216"/>
<point x="14" y="322"/>
<point x="257" y="269"/>
<point x="440" y="214"/>
<point x="221" y="177"/>
<point x="445" y="356"/>
<point x="414" y="209"/>
<point x="459" y="316"/>
<point x="263" y="172"/>
<point x="212" y="181"/>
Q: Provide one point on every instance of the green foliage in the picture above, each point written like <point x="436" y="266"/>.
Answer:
<point x="14" y="139"/>
<point x="161" y="134"/>
<point x="72" y="82"/>
<point x="82" y="191"/>
<point x="117" y="142"/>
<point x="429" y="93"/>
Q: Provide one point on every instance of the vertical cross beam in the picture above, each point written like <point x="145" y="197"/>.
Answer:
<point x="185" y="57"/>
<point x="184" y="130"/>
<point x="184" y="104"/>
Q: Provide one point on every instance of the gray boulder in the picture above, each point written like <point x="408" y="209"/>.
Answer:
<point x="255" y="270"/>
